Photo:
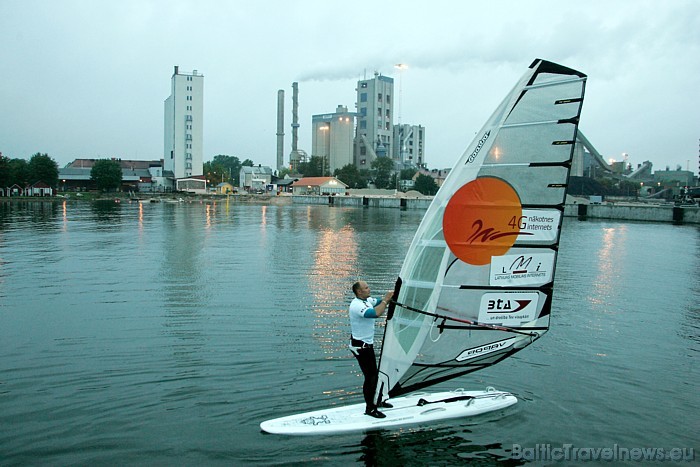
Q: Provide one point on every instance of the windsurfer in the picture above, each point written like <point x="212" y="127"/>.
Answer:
<point x="363" y="312"/>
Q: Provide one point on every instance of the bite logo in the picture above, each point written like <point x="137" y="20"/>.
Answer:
<point x="507" y="306"/>
<point x="481" y="220"/>
<point x="316" y="420"/>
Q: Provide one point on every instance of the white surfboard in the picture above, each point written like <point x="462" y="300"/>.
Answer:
<point x="416" y="408"/>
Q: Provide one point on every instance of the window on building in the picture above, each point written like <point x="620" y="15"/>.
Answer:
<point x="387" y="126"/>
<point x="363" y="85"/>
<point x="363" y="97"/>
<point x="363" y="124"/>
<point x="379" y="112"/>
<point x="388" y="99"/>
<point x="379" y="97"/>
<point x="363" y="112"/>
<point x="387" y="113"/>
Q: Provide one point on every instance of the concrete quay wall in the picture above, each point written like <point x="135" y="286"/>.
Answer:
<point x="361" y="201"/>
<point x="635" y="212"/>
<point x="616" y="211"/>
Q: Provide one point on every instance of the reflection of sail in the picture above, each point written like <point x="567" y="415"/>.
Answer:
<point x="476" y="284"/>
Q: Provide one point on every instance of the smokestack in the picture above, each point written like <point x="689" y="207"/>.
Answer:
<point x="280" y="129"/>
<point x="295" y="116"/>
<point x="295" y="156"/>
<point x="176" y="69"/>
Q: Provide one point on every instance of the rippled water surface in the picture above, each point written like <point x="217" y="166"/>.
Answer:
<point x="165" y="333"/>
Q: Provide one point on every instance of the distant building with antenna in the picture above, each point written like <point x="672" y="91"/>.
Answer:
<point x="375" y="127"/>
<point x="184" y="110"/>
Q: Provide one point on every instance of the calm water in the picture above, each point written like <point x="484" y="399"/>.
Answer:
<point x="163" y="334"/>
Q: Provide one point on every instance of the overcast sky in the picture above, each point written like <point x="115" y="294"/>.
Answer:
<point x="88" y="78"/>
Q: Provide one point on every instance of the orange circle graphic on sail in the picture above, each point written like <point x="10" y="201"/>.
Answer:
<point x="482" y="220"/>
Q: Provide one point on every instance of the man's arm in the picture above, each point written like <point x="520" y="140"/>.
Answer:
<point x="381" y="307"/>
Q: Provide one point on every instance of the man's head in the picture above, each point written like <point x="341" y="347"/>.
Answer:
<point x="361" y="289"/>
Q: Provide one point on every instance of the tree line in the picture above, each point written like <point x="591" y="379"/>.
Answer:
<point x="380" y="173"/>
<point x="39" y="168"/>
<point x="107" y="173"/>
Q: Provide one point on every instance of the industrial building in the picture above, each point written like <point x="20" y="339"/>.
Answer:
<point x="409" y="145"/>
<point x="375" y="127"/>
<point x="184" y="110"/>
<point x="332" y="138"/>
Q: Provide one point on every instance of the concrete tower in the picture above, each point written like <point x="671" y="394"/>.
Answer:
<point x="296" y="156"/>
<point x="183" y="130"/>
<point x="280" y="129"/>
<point x="332" y="138"/>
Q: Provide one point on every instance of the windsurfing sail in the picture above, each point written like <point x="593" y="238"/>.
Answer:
<point x="476" y="284"/>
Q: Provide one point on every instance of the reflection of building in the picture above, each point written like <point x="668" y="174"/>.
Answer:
<point x="318" y="186"/>
<point x="375" y="104"/>
<point x="183" y="125"/>
<point x="332" y="138"/>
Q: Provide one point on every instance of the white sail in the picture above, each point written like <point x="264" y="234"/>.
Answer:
<point x="476" y="284"/>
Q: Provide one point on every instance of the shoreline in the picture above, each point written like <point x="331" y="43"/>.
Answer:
<point x="575" y="207"/>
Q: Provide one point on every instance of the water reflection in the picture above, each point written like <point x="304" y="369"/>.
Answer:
<point x="431" y="446"/>
<point x="332" y="275"/>
<point x="41" y="214"/>
<point x="690" y="326"/>
<point x="184" y="288"/>
<point x="107" y="212"/>
<point x="609" y="257"/>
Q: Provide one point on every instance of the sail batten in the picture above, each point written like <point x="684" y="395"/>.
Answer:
<point x="478" y="277"/>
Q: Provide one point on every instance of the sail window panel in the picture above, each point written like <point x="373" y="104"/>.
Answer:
<point x="536" y="186"/>
<point x="531" y="144"/>
<point x="427" y="265"/>
<point x="459" y="303"/>
<point x="459" y="273"/>
<point x="407" y="323"/>
<point x="539" y="104"/>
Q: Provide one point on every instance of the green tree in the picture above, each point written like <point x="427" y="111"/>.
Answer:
<point x="407" y="174"/>
<point x="426" y="185"/>
<point x="107" y="174"/>
<point x="382" y="168"/>
<point x="283" y="171"/>
<point x="43" y="169"/>
<point x="312" y="168"/>
<point x="351" y="176"/>
<point x="230" y="164"/>
<point x="5" y="180"/>
<point x="19" y="172"/>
